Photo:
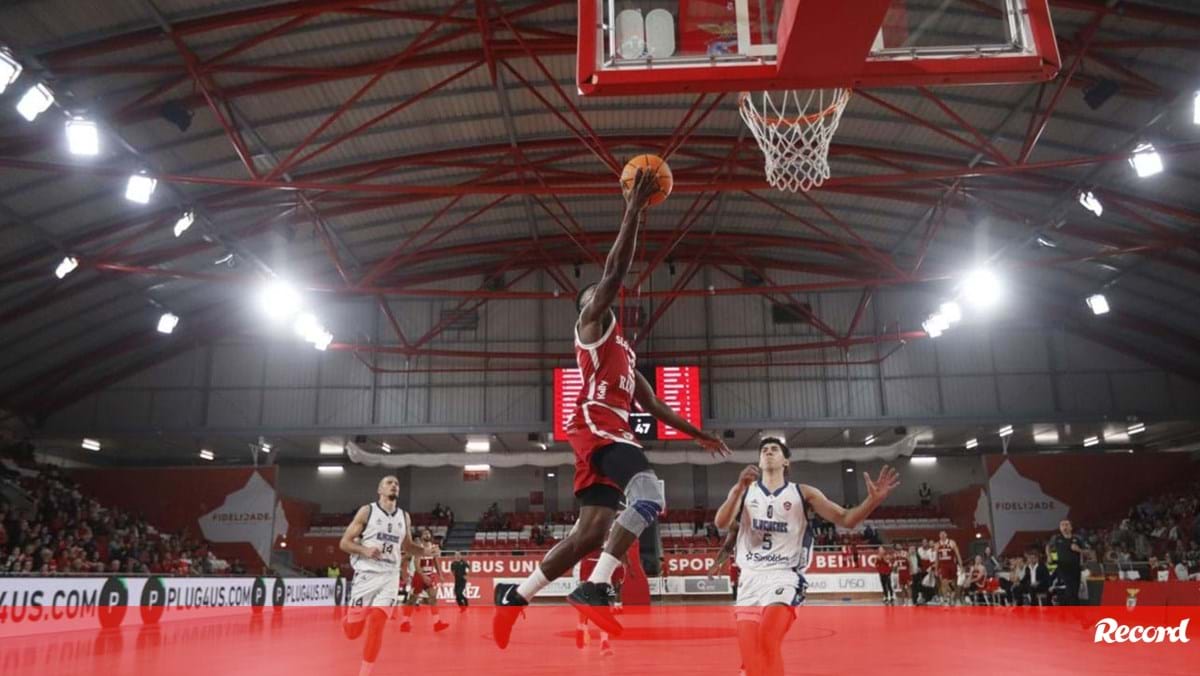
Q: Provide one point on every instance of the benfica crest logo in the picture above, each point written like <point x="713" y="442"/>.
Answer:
<point x="1131" y="597"/>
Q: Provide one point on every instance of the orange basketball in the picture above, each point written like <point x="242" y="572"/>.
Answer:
<point x="655" y="164"/>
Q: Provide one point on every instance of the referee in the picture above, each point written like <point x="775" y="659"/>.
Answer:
<point x="459" y="569"/>
<point x="1068" y="549"/>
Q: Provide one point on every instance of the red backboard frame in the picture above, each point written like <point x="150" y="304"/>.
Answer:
<point x="816" y="38"/>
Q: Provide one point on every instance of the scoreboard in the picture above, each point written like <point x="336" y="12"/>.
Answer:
<point x="677" y="386"/>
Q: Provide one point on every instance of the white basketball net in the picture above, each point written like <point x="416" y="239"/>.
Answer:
<point x="794" y="130"/>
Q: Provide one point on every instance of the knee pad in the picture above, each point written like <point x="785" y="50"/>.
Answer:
<point x="644" y="500"/>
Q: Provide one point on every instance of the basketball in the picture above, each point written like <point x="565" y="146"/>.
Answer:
<point x="655" y="164"/>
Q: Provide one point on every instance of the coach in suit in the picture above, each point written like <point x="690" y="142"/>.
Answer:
<point x="1035" y="580"/>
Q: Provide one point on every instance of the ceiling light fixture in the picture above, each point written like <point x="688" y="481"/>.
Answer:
<point x="36" y="100"/>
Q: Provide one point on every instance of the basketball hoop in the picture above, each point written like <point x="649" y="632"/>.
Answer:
<point x="794" y="129"/>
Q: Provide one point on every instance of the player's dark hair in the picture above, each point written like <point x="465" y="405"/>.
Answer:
<point x="579" y="296"/>
<point x="787" y="452"/>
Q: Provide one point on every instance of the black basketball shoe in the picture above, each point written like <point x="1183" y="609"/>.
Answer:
<point x="591" y="599"/>
<point x="509" y="606"/>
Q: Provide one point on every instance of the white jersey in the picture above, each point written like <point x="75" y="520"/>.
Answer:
<point x="773" y="532"/>
<point x="386" y="532"/>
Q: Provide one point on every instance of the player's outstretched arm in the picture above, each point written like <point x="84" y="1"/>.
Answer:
<point x="620" y="257"/>
<point x="877" y="492"/>
<point x="353" y="531"/>
<point x="645" y="396"/>
<point x="728" y="509"/>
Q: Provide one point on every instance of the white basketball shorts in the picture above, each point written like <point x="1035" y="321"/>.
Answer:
<point x="759" y="589"/>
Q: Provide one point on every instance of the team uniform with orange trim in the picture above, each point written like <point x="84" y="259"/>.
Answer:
<point x="601" y="414"/>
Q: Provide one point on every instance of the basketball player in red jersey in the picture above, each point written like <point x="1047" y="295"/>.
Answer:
<point x="948" y="563"/>
<point x="426" y="580"/>
<point x="610" y="466"/>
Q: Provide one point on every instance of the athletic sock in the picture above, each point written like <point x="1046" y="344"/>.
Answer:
<point x="366" y="668"/>
<point x="533" y="584"/>
<point x="603" y="571"/>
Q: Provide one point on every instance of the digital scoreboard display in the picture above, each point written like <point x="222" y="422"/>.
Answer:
<point x="677" y="386"/>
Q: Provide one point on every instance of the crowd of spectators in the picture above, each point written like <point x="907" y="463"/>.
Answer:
<point x="1163" y="530"/>
<point x="64" y="531"/>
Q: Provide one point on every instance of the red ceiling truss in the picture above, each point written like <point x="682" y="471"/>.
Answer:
<point x="512" y="46"/>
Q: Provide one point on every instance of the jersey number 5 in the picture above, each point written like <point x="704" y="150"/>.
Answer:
<point x="766" y="544"/>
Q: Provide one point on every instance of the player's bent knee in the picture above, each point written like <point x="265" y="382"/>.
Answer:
<point x="354" y="629"/>
<point x="646" y="500"/>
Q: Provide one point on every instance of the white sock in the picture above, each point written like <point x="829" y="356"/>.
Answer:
<point x="533" y="584"/>
<point x="603" y="571"/>
<point x="366" y="668"/>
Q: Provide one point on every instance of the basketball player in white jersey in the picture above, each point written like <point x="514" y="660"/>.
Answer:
<point x="426" y="580"/>
<point x="774" y="546"/>
<point x="378" y="536"/>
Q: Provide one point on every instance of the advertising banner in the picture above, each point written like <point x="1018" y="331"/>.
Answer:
<point x="32" y="605"/>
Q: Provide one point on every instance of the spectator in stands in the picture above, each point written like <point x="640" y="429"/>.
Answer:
<point x="438" y="511"/>
<point x="1180" y="569"/>
<point x="990" y="562"/>
<point x="1034" y="581"/>
<point x="925" y="494"/>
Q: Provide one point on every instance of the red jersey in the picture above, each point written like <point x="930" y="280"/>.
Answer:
<point x="607" y="368"/>
<point x="601" y="413"/>
<point x="883" y="566"/>
<point x="947" y="564"/>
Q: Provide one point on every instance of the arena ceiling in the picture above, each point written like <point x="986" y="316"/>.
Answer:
<point x="380" y="150"/>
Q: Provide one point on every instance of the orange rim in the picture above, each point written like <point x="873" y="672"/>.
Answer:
<point x="803" y="119"/>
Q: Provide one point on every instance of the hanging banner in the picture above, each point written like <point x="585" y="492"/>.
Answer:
<point x="1030" y="495"/>
<point x="234" y="508"/>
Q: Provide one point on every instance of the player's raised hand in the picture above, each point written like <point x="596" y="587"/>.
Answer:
<point x="713" y="444"/>
<point x="645" y="184"/>
<point x="748" y="476"/>
<point x="879" y="488"/>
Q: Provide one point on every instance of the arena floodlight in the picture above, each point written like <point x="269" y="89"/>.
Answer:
<point x="323" y="341"/>
<point x="206" y="454"/>
<point x="308" y="327"/>
<point x="185" y="221"/>
<point x="1136" y="428"/>
<point x="972" y="443"/>
<point x="923" y="460"/>
<point x="1005" y="431"/>
<point x="1098" y="303"/>
<point x="330" y="469"/>
<point x="478" y="444"/>
<point x="477" y="468"/>
<point x="982" y="288"/>
<point x="279" y="300"/>
<point x="1089" y="201"/>
<point x="36" y="100"/>
<point x="10" y="70"/>
<point x="849" y="470"/>
<point x="167" y="323"/>
<point x="1091" y="441"/>
<point x="550" y="475"/>
<point x="950" y="311"/>
<point x="264" y="447"/>
<point x="385" y="447"/>
<point x="1146" y="161"/>
<point x="83" y="137"/>
<point x="91" y="444"/>
<point x="140" y="188"/>
<point x="1047" y="241"/>
<point x="66" y="266"/>
<point x="935" y="325"/>
<point x="869" y="440"/>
